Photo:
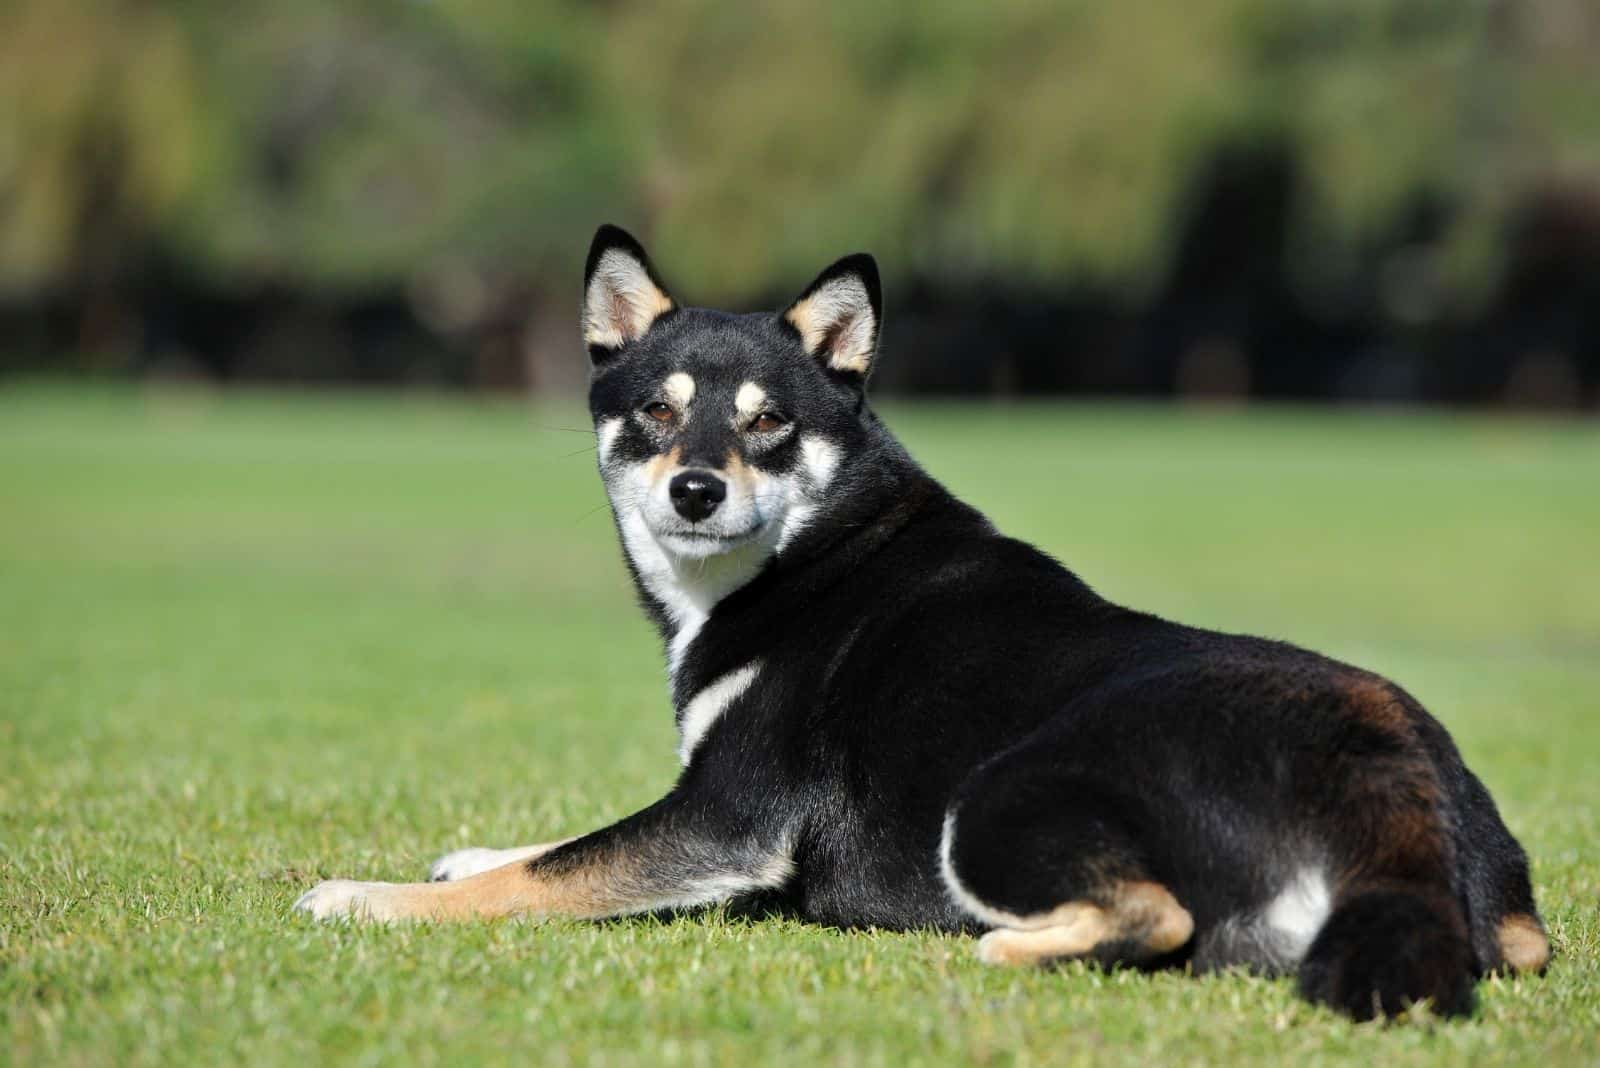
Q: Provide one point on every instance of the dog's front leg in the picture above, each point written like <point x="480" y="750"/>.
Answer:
<point x="671" y="855"/>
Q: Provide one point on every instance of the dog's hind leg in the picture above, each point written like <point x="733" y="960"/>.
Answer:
<point x="664" y="857"/>
<point x="1139" y="921"/>
<point x="1054" y="865"/>
<point x="1507" y="934"/>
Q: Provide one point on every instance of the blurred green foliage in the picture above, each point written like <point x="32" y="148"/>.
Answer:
<point x="357" y="144"/>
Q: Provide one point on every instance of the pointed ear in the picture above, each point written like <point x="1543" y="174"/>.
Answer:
<point x="837" y="315"/>
<point x="622" y="296"/>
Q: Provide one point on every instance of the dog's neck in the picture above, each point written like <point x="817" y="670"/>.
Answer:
<point x="679" y="591"/>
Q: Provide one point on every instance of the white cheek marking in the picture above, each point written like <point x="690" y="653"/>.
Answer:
<point x="605" y="436"/>
<point x="707" y="706"/>
<point x="749" y="401"/>
<point x="1300" y="910"/>
<point x="657" y="573"/>
<point x="679" y="389"/>
<point x="819" y="458"/>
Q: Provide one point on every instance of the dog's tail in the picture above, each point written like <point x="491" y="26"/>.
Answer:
<point x="1398" y="933"/>
<point x="1387" y="946"/>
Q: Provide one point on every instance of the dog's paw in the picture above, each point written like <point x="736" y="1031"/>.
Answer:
<point x="339" y="899"/>
<point x="1001" y="947"/>
<point x="464" y="863"/>
<point x="467" y="862"/>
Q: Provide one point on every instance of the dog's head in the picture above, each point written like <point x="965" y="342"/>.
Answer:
<point x="719" y="434"/>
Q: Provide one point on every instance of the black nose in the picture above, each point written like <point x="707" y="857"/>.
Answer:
<point x="696" y="494"/>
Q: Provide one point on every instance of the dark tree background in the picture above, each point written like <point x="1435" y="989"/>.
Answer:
<point x="1331" y="198"/>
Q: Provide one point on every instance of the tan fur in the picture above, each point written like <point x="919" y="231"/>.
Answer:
<point x="1150" y="909"/>
<point x="1399" y="792"/>
<point x="1376" y="704"/>
<point x="739" y="473"/>
<point x="659" y="467"/>
<point x="1523" y="945"/>
<point x="1082" y="928"/>
<point x="1141" y="912"/>
<point x="591" y="892"/>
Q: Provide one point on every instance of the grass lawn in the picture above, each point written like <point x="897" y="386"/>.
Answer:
<point x="248" y="642"/>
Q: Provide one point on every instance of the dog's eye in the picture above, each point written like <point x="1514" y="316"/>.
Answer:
<point x="661" y="413"/>
<point x="767" y="422"/>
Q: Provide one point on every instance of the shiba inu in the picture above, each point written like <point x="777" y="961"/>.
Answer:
<point x="891" y="714"/>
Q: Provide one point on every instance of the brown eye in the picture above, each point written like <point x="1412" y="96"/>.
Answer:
<point x="766" y="423"/>
<point x="661" y="413"/>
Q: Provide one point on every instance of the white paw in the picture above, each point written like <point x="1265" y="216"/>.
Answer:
<point x="468" y="862"/>
<point x="346" y="899"/>
<point x="465" y="862"/>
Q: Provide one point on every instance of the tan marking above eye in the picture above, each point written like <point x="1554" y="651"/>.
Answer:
<point x="749" y="401"/>
<point x="679" y="391"/>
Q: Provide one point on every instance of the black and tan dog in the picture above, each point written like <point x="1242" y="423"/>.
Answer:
<point x="893" y="715"/>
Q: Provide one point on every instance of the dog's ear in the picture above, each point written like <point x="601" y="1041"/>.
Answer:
<point x="837" y="316"/>
<point x="622" y="296"/>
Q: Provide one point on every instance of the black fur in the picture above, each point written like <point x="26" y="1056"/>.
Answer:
<point x="1382" y="950"/>
<point x="914" y="663"/>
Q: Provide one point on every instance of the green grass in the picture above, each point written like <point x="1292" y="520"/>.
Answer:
<point x="247" y="642"/>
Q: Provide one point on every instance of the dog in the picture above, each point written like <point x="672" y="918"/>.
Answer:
<point x="891" y="715"/>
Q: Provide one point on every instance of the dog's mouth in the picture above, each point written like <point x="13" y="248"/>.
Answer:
<point x="694" y="542"/>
